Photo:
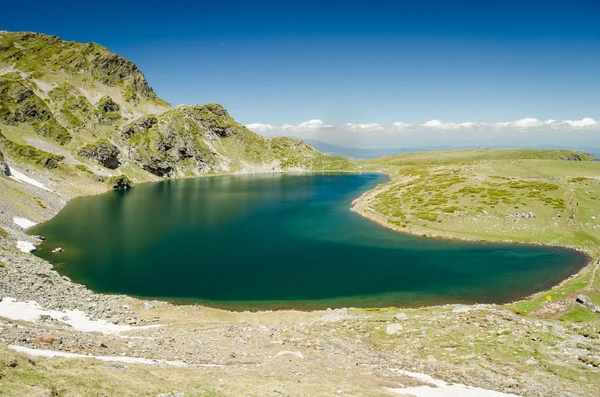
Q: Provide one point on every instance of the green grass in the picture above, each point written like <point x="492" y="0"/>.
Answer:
<point x="21" y="375"/>
<point x="580" y="314"/>
<point x="484" y="154"/>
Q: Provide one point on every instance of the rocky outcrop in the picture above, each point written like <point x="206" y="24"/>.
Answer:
<point x="21" y="105"/>
<point x="578" y="156"/>
<point x="572" y="157"/>
<point x="4" y="170"/>
<point x="120" y="182"/>
<point x="109" y="111"/>
<point x="102" y="152"/>
<point x="140" y="125"/>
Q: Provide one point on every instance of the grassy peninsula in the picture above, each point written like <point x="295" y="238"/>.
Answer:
<point x="533" y="196"/>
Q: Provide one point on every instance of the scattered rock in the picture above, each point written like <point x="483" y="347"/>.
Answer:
<point x="57" y="249"/>
<point x="593" y="361"/>
<point x="528" y="215"/>
<point x="131" y="320"/>
<point x="335" y="315"/>
<point x="393" y="329"/>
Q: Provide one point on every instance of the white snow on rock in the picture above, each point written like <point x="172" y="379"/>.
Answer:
<point x="24" y="223"/>
<point x="31" y="311"/>
<point x="128" y="360"/>
<point x="14" y="174"/>
<point x="439" y="388"/>
<point x="25" y="246"/>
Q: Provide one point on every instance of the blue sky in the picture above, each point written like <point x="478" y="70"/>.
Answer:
<point x="286" y="62"/>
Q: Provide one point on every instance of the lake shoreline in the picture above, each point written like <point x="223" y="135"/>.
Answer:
<point x="310" y="305"/>
<point x="319" y="342"/>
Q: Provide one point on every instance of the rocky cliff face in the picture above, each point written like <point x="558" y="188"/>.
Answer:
<point x="80" y="110"/>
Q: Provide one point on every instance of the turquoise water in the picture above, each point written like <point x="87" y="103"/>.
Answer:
<point x="279" y="241"/>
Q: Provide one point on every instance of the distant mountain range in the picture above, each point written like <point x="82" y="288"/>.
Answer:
<point x="356" y="153"/>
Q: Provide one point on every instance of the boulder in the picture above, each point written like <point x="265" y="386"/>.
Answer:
<point x="585" y="300"/>
<point x="401" y="316"/>
<point x="393" y="329"/>
<point x="120" y="182"/>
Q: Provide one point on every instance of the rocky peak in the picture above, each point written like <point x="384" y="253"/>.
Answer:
<point x="38" y="54"/>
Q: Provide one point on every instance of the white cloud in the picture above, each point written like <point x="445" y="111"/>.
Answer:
<point x="399" y="125"/>
<point x="363" y="127"/>
<point x="587" y="122"/>
<point x="526" y="123"/>
<point x="526" y="131"/>
<point x="437" y="124"/>
<point x="312" y="125"/>
<point x="261" y="128"/>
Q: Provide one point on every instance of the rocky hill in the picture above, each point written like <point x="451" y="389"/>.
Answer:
<point x="82" y="112"/>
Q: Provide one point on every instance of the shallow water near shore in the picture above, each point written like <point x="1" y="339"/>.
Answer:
<point x="280" y="241"/>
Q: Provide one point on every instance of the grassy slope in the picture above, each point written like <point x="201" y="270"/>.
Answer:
<point x="472" y="194"/>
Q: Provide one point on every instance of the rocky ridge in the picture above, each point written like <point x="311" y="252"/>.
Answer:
<point x="80" y="99"/>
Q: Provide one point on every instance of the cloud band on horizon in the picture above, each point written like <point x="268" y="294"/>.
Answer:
<point x="522" y="132"/>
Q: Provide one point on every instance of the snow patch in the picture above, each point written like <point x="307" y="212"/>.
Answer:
<point x="289" y="353"/>
<point x="24" y="223"/>
<point x="439" y="388"/>
<point x="31" y="311"/>
<point x="16" y="175"/>
<point x="26" y="247"/>
<point x="128" y="360"/>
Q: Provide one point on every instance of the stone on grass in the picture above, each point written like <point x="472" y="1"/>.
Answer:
<point x="393" y="329"/>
